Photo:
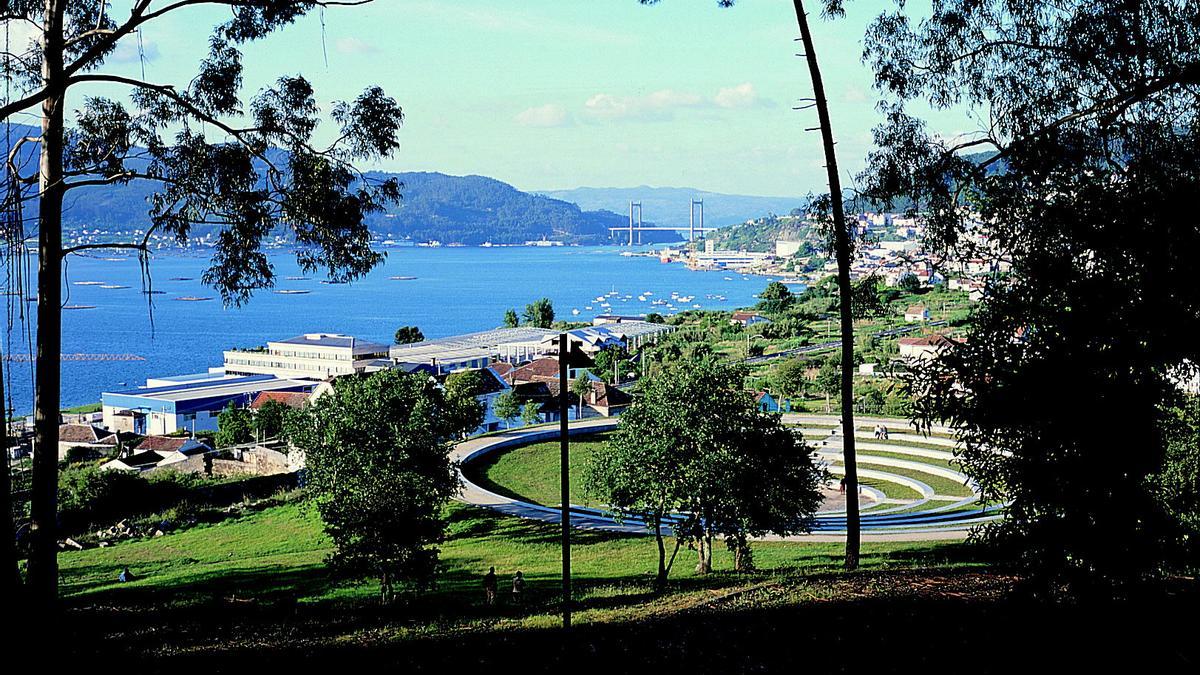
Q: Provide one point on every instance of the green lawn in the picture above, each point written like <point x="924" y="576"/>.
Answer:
<point x="940" y="485"/>
<point x="277" y="555"/>
<point x="531" y="472"/>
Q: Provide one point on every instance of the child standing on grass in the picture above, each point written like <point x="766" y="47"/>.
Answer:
<point x="489" y="587"/>
<point x="518" y="588"/>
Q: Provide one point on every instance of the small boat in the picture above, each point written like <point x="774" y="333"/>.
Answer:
<point x="292" y="291"/>
<point x="402" y="278"/>
<point x="696" y="306"/>
<point x="112" y="286"/>
<point x="728" y="278"/>
<point x="297" y="278"/>
<point x="589" y="307"/>
<point x="192" y="298"/>
<point x="79" y="307"/>
<point x="155" y="292"/>
<point x="88" y="283"/>
<point x="332" y="282"/>
<point x="181" y="279"/>
<point x="575" y="312"/>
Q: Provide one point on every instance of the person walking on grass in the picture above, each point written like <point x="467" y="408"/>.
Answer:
<point x="518" y="588"/>
<point x="489" y="587"/>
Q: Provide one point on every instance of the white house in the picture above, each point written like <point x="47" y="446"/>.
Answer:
<point x="916" y="314"/>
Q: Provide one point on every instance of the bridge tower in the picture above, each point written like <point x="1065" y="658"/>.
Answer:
<point x="692" y="219"/>
<point x="632" y="207"/>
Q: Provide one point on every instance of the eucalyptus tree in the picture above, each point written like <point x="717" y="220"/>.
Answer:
<point x="239" y="171"/>
<point x="829" y="211"/>
<point x="1080" y="158"/>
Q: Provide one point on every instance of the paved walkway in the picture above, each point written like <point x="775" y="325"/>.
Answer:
<point x="944" y="519"/>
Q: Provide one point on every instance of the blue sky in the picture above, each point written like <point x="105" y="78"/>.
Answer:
<point x="549" y="94"/>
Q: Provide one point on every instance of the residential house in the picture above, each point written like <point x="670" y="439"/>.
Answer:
<point x="541" y="370"/>
<point x="606" y="400"/>
<point x="88" y="436"/>
<point x="765" y="401"/>
<point x="175" y="453"/>
<point x="926" y="347"/>
<point x="747" y="319"/>
<point x="916" y="314"/>
<point x="292" y="399"/>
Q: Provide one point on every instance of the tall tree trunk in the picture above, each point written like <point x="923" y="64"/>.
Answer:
<point x="43" y="556"/>
<point x="704" y="552"/>
<point x="842" y="251"/>
<point x="660" y="581"/>
<point x="8" y="530"/>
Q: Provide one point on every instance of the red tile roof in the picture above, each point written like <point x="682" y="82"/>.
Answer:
<point x="162" y="444"/>
<point x="83" y="434"/>
<point x="931" y="341"/>
<point x="292" y="399"/>
<point x="607" y="396"/>
<point x="535" y="371"/>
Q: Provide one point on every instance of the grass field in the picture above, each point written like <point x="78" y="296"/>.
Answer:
<point x="278" y="555"/>
<point x="531" y="472"/>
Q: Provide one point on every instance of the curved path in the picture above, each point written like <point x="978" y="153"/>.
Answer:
<point x="931" y="517"/>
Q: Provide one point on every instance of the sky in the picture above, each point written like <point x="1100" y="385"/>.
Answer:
<point x="556" y="94"/>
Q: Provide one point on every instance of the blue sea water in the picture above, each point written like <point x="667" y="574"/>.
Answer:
<point x="456" y="290"/>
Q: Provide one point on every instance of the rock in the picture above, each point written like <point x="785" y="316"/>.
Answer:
<point x="159" y="533"/>
<point x="73" y="544"/>
<point x="103" y="544"/>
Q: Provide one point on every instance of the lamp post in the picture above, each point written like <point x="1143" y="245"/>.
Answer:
<point x="568" y="357"/>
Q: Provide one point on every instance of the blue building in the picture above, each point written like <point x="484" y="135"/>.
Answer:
<point x="187" y="402"/>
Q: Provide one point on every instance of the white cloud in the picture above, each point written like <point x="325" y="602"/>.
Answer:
<point x="656" y="105"/>
<point x="663" y="104"/>
<point x="543" y="116"/>
<point x="741" y="96"/>
<point x="353" y="45"/>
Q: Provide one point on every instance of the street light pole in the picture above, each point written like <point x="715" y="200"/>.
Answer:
<point x="564" y="469"/>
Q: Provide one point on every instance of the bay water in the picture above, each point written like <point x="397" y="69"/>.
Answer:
<point x="452" y="290"/>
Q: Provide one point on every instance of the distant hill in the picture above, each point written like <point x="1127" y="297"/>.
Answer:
<point x="475" y="209"/>
<point x="450" y="209"/>
<point x="762" y="233"/>
<point x="669" y="205"/>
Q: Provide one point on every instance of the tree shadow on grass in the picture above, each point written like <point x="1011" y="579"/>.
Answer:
<point x="946" y="629"/>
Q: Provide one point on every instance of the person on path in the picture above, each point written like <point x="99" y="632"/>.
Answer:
<point x="884" y="432"/>
<point x="489" y="587"/>
<point x="518" y="588"/>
